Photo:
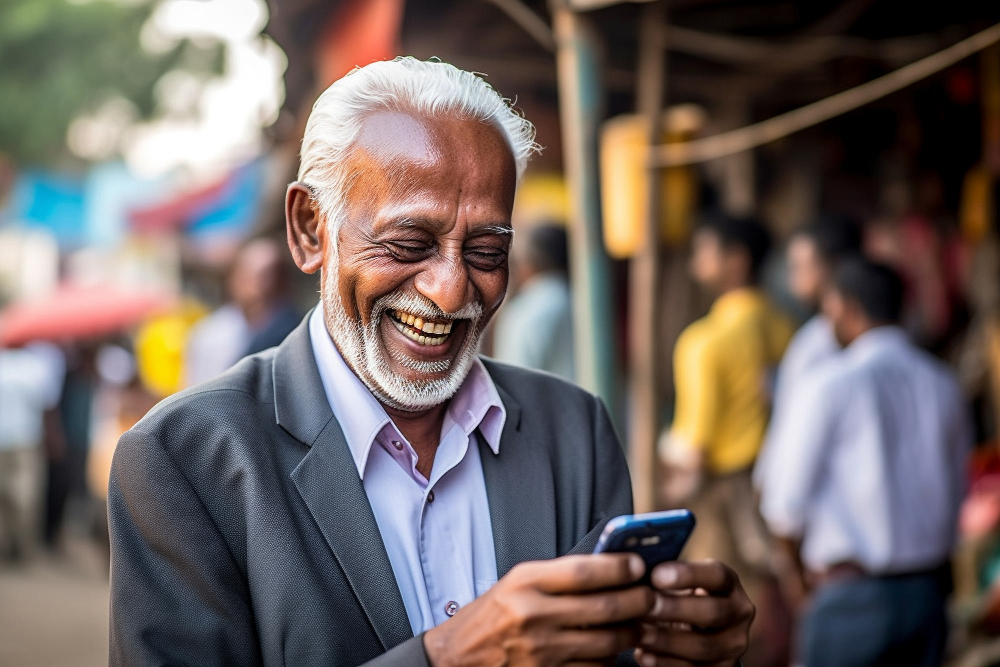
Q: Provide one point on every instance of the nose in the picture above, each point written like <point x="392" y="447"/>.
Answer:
<point x="445" y="281"/>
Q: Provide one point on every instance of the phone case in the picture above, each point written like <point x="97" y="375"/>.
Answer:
<point x="657" y="536"/>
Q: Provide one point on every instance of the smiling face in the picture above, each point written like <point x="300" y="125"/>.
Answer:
<point x="420" y="263"/>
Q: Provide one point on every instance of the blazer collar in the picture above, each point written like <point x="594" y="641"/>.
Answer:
<point x="521" y="493"/>
<point x="328" y="482"/>
<point x="300" y="405"/>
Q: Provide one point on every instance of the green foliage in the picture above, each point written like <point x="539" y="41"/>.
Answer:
<point x="60" y="59"/>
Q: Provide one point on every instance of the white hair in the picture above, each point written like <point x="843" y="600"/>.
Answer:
<point x="403" y="84"/>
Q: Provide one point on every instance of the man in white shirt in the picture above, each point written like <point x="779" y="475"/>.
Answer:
<point x="813" y="254"/>
<point x="31" y="381"/>
<point x="867" y="476"/>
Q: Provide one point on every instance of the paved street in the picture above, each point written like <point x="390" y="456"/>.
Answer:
<point x="54" y="611"/>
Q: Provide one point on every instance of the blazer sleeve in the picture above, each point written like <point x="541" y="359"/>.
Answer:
<point x="177" y="593"/>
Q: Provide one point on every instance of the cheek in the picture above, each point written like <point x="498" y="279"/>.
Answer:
<point x="364" y="282"/>
<point x="492" y="287"/>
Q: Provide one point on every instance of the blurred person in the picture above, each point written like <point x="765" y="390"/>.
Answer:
<point x="68" y="441"/>
<point x="542" y="306"/>
<point x="722" y="368"/>
<point x="260" y="288"/>
<point x="813" y="254"/>
<point x="30" y="384"/>
<point x="872" y="471"/>
<point x="372" y="491"/>
<point x="257" y="317"/>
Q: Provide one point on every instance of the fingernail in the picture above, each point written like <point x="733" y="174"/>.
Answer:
<point x="636" y="566"/>
<point x="658" y="604"/>
<point x="648" y="659"/>
<point x="665" y="576"/>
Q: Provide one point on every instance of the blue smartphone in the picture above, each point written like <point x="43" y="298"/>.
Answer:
<point x="656" y="536"/>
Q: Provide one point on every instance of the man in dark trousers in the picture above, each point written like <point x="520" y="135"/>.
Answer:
<point x="371" y="491"/>
<point x="867" y="474"/>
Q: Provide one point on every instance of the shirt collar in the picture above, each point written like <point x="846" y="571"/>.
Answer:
<point x="477" y="403"/>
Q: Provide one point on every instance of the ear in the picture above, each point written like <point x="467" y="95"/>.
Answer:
<point x="305" y="228"/>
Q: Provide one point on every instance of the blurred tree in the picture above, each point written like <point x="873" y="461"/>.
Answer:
<point x="65" y="58"/>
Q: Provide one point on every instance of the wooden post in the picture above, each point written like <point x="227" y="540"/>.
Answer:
<point x="644" y="347"/>
<point x="580" y="108"/>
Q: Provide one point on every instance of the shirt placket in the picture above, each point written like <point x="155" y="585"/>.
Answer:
<point x="444" y="593"/>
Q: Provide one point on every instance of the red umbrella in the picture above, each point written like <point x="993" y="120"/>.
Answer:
<point x="75" y="312"/>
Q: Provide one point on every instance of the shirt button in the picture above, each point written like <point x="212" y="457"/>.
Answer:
<point x="430" y="498"/>
<point x="398" y="445"/>
<point x="451" y="608"/>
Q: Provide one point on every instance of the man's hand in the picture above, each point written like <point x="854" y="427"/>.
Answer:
<point x="681" y="469"/>
<point x="701" y="616"/>
<point x="791" y="574"/>
<point x="576" y="609"/>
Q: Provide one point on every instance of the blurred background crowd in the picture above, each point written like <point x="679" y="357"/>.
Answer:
<point x="145" y="146"/>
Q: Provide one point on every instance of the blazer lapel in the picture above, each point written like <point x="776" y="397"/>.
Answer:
<point x="521" y="495"/>
<point x="327" y="479"/>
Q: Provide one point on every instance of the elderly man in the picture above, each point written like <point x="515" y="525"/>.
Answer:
<point x="371" y="491"/>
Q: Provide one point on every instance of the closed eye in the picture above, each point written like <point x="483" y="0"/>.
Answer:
<point x="486" y="259"/>
<point x="409" y="251"/>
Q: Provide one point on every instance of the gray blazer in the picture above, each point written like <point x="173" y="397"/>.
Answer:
<point x="241" y="533"/>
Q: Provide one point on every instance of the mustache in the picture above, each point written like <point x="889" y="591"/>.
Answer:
<point x="424" y="308"/>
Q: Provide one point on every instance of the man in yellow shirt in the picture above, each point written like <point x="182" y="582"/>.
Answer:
<point x="723" y="365"/>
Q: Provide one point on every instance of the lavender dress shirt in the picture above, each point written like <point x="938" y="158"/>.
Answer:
<point x="437" y="532"/>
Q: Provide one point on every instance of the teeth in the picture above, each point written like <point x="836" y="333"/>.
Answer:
<point x="434" y="333"/>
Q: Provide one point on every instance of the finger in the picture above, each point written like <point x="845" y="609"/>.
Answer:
<point x="705" y="613"/>
<point x="578" y="574"/>
<point x="711" y="575"/>
<point x="646" y="659"/>
<point x="603" y="608"/>
<point x="596" y="644"/>
<point x="699" y="647"/>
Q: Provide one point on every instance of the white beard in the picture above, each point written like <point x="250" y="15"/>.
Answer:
<point x="363" y="350"/>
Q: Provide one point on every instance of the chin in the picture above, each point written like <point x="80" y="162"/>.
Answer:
<point x="410" y="374"/>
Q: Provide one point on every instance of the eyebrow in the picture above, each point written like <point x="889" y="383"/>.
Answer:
<point x="420" y="223"/>
<point x="504" y="230"/>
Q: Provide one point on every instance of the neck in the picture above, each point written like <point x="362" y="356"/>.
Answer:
<point x="729" y="286"/>
<point x="423" y="430"/>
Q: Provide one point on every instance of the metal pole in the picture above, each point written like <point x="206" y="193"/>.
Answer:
<point x="644" y="275"/>
<point x="580" y="107"/>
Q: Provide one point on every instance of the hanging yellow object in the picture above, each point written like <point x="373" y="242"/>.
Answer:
<point x="975" y="213"/>
<point x="541" y="197"/>
<point x="624" y="183"/>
